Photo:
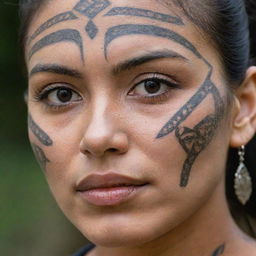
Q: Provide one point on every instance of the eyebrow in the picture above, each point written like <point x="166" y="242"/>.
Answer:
<point x="150" y="56"/>
<point x="56" y="69"/>
<point x="151" y="30"/>
<point x="65" y="35"/>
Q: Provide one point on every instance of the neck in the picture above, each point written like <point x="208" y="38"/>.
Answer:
<point x="211" y="231"/>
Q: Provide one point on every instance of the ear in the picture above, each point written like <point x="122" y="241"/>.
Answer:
<point x="244" y="115"/>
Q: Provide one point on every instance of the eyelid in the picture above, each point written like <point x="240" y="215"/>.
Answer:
<point x="157" y="75"/>
<point x="42" y="93"/>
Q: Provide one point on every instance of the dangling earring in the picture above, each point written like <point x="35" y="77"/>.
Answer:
<point x="243" y="181"/>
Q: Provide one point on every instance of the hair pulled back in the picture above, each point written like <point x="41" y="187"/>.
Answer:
<point x="225" y="22"/>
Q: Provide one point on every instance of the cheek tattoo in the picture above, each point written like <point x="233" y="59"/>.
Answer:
<point x="40" y="156"/>
<point x="39" y="133"/>
<point x="43" y="138"/>
<point x="193" y="140"/>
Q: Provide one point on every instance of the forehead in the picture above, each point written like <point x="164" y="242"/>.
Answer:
<point x="88" y="22"/>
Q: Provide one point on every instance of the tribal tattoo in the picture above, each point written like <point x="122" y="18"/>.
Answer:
<point x="195" y="140"/>
<point x="65" y="35"/>
<point x="150" y="30"/>
<point x="40" y="156"/>
<point x="188" y="108"/>
<point x="53" y="21"/>
<point x="136" y="12"/>
<point x="39" y="133"/>
<point x="91" y="29"/>
<point x="90" y="9"/>
<point x="220" y="250"/>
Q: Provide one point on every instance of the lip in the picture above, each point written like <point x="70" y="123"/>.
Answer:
<point x="109" y="189"/>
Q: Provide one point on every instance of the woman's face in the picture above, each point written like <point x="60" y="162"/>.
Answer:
<point x="126" y="88"/>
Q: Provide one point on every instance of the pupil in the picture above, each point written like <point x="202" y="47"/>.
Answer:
<point x="152" y="86"/>
<point x="64" y="95"/>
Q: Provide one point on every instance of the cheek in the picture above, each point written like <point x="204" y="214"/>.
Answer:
<point x="159" y="160"/>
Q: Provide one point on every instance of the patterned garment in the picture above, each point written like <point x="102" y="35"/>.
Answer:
<point x="84" y="250"/>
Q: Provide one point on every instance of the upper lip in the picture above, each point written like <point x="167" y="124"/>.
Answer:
<point x="108" y="180"/>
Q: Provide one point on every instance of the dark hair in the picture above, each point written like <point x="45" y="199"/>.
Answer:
<point x="241" y="213"/>
<point x="225" y="22"/>
<point x="27" y="11"/>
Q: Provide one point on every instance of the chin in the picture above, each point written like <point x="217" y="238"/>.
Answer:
<point x="111" y="241"/>
<point x="127" y="234"/>
<point x="119" y="236"/>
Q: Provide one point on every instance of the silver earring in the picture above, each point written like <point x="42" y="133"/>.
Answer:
<point x="243" y="181"/>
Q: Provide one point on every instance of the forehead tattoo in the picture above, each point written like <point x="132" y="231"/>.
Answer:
<point x="69" y="35"/>
<point x="51" y="22"/>
<point x="193" y="140"/>
<point x="150" y="30"/>
<point x="91" y="8"/>
<point x="136" y="12"/>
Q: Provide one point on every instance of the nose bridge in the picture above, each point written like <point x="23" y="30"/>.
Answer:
<point x="100" y="123"/>
<point x="103" y="132"/>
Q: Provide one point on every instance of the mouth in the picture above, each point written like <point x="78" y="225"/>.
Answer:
<point x="109" y="189"/>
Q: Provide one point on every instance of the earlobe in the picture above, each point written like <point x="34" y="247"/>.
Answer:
<point x="244" y="114"/>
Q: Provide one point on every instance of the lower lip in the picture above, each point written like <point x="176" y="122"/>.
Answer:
<point x="110" y="196"/>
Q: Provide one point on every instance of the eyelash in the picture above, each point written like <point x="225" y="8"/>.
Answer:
<point x="154" y="99"/>
<point x="42" y="94"/>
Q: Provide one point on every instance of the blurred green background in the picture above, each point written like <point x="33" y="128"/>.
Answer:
<point x="30" y="221"/>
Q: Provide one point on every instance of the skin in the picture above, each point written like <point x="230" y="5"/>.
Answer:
<point x="177" y="140"/>
<point x="53" y="21"/>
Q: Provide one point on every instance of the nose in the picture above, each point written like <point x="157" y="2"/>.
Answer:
<point x="104" y="134"/>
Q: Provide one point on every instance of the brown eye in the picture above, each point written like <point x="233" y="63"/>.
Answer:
<point x="64" y="95"/>
<point x="61" y="96"/>
<point x="152" y="86"/>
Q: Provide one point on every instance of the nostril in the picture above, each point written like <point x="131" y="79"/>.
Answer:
<point x="112" y="150"/>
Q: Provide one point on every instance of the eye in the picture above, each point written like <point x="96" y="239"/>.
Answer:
<point x="151" y="87"/>
<point x="62" y="95"/>
<point x="58" y="96"/>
